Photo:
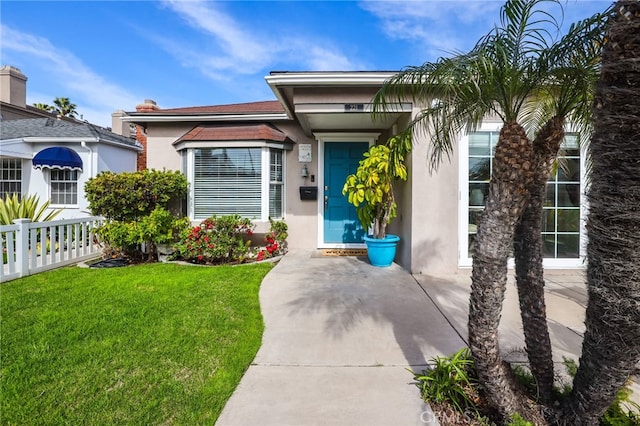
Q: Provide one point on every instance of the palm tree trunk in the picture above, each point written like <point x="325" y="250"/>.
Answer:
<point x="528" y="259"/>
<point x="611" y="346"/>
<point x="512" y="173"/>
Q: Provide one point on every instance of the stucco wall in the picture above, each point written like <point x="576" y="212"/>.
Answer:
<point x="301" y="216"/>
<point x="428" y="212"/>
<point x="160" y="151"/>
<point x="115" y="159"/>
<point x="434" y="207"/>
<point x="334" y="95"/>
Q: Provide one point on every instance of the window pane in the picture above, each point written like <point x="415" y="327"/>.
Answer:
<point x="64" y="186"/>
<point x="11" y="176"/>
<point x="550" y="197"/>
<point x="549" y="245"/>
<point x="568" y="195"/>
<point x="568" y="245"/>
<point x="569" y="170"/>
<point x="276" y="174"/>
<point x="480" y="143"/>
<point x="478" y="193"/>
<point x="570" y="146"/>
<point x="227" y="181"/>
<point x="474" y="219"/>
<point x="561" y="216"/>
<point x="548" y="220"/>
<point x="275" y="201"/>
<point x="568" y="220"/>
<point x="479" y="169"/>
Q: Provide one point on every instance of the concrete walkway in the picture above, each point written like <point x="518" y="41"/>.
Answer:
<point x="340" y="335"/>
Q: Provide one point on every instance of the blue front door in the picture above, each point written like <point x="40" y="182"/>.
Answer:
<point x="341" y="223"/>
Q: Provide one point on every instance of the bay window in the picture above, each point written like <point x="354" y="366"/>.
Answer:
<point x="247" y="181"/>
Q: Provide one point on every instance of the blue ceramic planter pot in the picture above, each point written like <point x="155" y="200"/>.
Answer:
<point x="381" y="252"/>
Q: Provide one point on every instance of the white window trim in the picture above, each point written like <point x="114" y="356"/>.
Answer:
<point x="19" y="162"/>
<point x="64" y="206"/>
<point x="280" y="183"/>
<point x="322" y="138"/>
<point x="264" y="177"/>
<point x="464" y="258"/>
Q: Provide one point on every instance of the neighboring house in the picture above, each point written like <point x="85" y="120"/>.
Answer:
<point x="54" y="157"/>
<point x="268" y="159"/>
<point x="13" y="100"/>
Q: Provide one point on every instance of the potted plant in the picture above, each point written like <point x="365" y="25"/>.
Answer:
<point x="370" y="190"/>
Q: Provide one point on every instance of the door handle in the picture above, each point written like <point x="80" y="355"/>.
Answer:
<point x="326" y="200"/>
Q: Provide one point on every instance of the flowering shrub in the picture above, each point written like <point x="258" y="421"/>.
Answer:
<point x="217" y="240"/>
<point x="275" y="240"/>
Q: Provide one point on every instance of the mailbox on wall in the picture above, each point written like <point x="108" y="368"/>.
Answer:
<point x="308" y="192"/>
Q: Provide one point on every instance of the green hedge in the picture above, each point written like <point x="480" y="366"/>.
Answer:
<point x="132" y="195"/>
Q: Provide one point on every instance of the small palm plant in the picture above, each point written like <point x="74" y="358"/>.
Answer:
<point x="370" y="189"/>
<point x="12" y="207"/>
<point x="452" y="380"/>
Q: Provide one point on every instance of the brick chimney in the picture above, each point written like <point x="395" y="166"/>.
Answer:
<point x="147" y="106"/>
<point x="13" y="86"/>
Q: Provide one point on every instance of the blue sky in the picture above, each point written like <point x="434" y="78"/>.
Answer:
<point x="110" y="55"/>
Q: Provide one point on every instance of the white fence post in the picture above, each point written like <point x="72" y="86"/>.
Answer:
<point x="22" y="246"/>
<point x="19" y="245"/>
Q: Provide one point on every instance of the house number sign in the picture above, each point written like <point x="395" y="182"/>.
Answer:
<point x="304" y="153"/>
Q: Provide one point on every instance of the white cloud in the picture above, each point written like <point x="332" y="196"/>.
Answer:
<point x="437" y="28"/>
<point x="96" y="98"/>
<point x="240" y="49"/>
<point x="320" y="58"/>
<point x="441" y="27"/>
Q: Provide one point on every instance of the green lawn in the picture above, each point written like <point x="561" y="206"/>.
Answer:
<point x="148" y="344"/>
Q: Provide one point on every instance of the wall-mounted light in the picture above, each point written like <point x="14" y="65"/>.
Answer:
<point x="304" y="172"/>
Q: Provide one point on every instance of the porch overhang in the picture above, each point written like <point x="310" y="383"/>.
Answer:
<point x="343" y="100"/>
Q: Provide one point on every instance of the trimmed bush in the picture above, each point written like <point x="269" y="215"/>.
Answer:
<point x="126" y="238"/>
<point x="129" y="196"/>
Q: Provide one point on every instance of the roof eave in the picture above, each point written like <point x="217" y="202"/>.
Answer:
<point x="278" y="81"/>
<point x="76" y="139"/>
<point x="59" y="139"/>
<point x="145" y="117"/>
<point x="374" y="78"/>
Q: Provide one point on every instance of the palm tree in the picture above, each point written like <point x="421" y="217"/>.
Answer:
<point x="573" y="64"/>
<point x="64" y="107"/>
<point x="611" y="346"/>
<point x="504" y="74"/>
<point x="44" y="107"/>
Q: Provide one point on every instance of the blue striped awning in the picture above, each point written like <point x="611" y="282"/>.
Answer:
<point x="57" y="157"/>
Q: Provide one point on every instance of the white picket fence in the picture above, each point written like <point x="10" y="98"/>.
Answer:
<point x="31" y="247"/>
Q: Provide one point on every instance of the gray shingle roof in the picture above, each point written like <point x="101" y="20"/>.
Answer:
<point x="54" y="128"/>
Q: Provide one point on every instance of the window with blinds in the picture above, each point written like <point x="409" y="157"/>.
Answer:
<point x="276" y="183"/>
<point x="227" y="181"/>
